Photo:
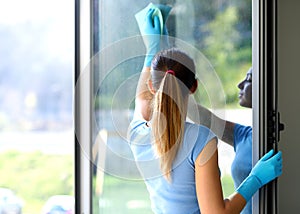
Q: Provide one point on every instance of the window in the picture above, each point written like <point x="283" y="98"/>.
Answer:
<point x="36" y="107"/>
<point x="218" y="34"/>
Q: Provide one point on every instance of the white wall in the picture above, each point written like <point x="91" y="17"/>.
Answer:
<point x="289" y="103"/>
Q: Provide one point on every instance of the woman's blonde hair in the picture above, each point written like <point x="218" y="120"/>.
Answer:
<point x="172" y="76"/>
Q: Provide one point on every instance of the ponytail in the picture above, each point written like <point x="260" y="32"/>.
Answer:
<point x="169" y="113"/>
<point x="172" y="76"/>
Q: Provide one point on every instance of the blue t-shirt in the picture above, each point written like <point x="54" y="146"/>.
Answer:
<point x="179" y="195"/>
<point x="242" y="163"/>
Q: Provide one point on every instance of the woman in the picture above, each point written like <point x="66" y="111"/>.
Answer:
<point x="179" y="160"/>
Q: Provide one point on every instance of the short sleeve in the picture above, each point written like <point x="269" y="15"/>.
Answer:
<point x="241" y="134"/>
<point x="203" y="136"/>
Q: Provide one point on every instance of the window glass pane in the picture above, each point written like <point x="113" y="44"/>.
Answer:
<point x="217" y="34"/>
<point x="36" y="119"/>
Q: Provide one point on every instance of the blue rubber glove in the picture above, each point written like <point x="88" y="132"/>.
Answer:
<point x="165" y="10"/>
<point x="151" y="32"/>
<point x="266" y="169"/>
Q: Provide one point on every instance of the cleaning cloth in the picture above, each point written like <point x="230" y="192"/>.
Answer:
<point x="161" y="11"/>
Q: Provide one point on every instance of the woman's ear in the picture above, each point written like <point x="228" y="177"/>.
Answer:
<point x="150" y="87"/>
<point x="194" y="87"/>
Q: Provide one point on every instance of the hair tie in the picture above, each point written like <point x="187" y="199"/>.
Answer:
<point x="170" y="72"/>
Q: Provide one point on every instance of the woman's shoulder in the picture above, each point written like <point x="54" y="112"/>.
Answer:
<point x="197" y="129"/>
<point x="195" y="138"/>
<point x="242" y="130"/>
<point x="137" y="128"/>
